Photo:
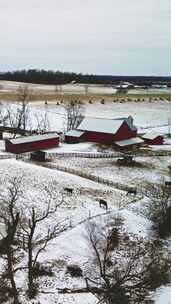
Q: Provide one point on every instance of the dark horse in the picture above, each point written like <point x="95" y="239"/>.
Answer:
<point x="103" y="203"/>
<point x="132" y="191"/>
<point x="68" y="190"/>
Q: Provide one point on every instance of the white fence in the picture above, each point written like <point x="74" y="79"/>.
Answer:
<point x="7" y="156"/>
<point x="85" y="154"/>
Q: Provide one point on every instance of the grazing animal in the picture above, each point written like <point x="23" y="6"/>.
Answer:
<point x="68" y="190"/>
<point x="132" y="191"/>
<point x="168" y="184"/>
<point x="103" y="203"/>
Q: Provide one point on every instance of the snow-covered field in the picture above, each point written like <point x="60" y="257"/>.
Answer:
<point x="71" y="247"/>
<point x="147" y="116"/>
<point x="146" y="171"/>
<point x="153" y="116"/>
<point x="11" y="86"/>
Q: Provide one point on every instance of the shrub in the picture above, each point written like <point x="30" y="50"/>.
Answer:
<point x="74" y="270"/>
<point x="5" y="292"/>
<point x="42" y="270"/>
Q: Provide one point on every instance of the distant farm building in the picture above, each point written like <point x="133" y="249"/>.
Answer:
<point x="153" y="139"/>
<point x="120" y="131"/>
<point x="134" y="142"/>
<point x="74" y="136"/>
<point x="31" y="143"/>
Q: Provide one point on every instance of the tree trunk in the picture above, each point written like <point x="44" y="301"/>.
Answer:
<point x="30" y="271"/>
<point x="11" y="276"/>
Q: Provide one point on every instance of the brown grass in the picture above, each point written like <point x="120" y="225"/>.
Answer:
<point x="53" y="97"/>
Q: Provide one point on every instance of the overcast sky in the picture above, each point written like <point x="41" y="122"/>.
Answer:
<point x="118" y="37"/>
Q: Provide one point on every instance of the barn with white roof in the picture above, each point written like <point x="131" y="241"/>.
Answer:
<point x="103" y="130"/>
<point x="153" y="138"/>
<point x="32" y="143"/>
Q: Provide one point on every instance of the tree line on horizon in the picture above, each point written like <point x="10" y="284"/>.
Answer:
<point x="59" y="78"/>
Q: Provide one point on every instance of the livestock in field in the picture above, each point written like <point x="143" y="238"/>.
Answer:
<point x="68" y="190"/>
<point x="132" y="191"/>
<point x="103" y="203"/>
<point x="168" y="184"/>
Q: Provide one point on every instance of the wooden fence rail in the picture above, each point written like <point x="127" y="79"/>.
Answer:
<point x="86" y="175"/>
<point x="7" y="156"/>
<point x="84" y="155"/>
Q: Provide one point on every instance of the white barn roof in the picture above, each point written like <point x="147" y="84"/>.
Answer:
<point x="129" y="142"/>
<point x="33" y="138"/>
<point x="101" y="125"/>
<point x="151" y="135"/>
<point x="74" y="133"/>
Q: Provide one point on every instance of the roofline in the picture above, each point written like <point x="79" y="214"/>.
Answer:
<point x="33" y="136"/>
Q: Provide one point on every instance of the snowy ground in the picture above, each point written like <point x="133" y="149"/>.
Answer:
<point x="148" y="117"/>
<point x="8" y="86"/>
<point x="71" y="247"/>
<point x="147" y="170"/>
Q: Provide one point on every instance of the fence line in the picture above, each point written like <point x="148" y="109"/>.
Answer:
<point x="85" y="154"/>
<point x="7" y="156"/>
<point x="108" y="155"/>
<point x="89" y="176"/>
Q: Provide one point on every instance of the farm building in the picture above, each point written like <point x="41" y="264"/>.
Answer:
<point x="74" y="136"/>
<point x="102" y="130"/>
<point x="31" y="143"/>
<point x="134" y="142"/>
<point x="153" y="139"/>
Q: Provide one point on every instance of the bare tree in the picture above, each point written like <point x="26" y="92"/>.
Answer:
<point x="24" y="94"/>
<point x="3" y="116"/>
<point x="9" y="218"/>
<point x="159" y="207"/>
<point x="36" y="243"/>
<point x="129" y="267"/>
<point x="74" y="114"/>
<point x="58" y="90"/>
<point x="18" y="116"/>
<point x="125" y="267"/>
<point x="42" y="123"/>
<point x="86" y="87"/>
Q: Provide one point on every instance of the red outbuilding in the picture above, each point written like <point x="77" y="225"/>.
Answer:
<point x="153" y="139"/>
<point x="31" y="143"/>
<point x="74" y="136"/>
<point x="102" y="130"/>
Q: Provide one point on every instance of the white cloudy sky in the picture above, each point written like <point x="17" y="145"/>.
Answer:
<point x="94" y="36"/>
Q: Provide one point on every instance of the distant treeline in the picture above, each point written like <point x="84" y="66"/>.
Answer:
<point x="57" y="78"/>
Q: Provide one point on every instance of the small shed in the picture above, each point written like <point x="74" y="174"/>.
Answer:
<point x="38" y="156"/>
<point x="74" y="136"/>
<point x="31" y="143"/>
<point x="153" y="138"/>
<point x="131" y="143"/>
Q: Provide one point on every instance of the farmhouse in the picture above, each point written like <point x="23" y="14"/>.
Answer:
<point x="31" y="143"/>
<point x="153" y="139"/>
<point x="102" y="130"/>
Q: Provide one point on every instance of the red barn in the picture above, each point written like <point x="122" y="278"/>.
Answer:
<point x="102" y="130"/>
<point x="31" y="143"/>
<point x="153" y="139"/>
<point x="74" y="136"/>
